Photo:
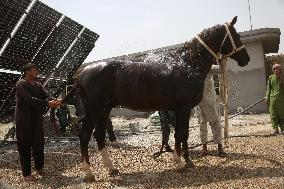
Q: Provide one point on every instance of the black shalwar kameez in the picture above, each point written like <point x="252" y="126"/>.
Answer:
<point x="31" y="101"/>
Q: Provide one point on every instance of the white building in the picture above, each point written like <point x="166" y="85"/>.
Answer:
<point x="248" y="84"/>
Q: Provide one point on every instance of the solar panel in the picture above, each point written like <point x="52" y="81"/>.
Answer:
<point x="32" y="33"/>
<point x="10" y="13"/>
<point x="7" y="97"/>
<point x="77" y="53"/>
<point x="55" y="86"/>
<point x="56" y="43"/>
<point x="71" y="62"/>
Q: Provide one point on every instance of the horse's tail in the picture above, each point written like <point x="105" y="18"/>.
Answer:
<point x="64" y="100"/>
<point x="71" y="93"/>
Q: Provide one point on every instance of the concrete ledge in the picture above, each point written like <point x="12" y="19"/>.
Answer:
<point x="124" y="112"/>
<point x="270" y="37"/>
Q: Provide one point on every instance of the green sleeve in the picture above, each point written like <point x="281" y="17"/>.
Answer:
<point x="268" y="90"/>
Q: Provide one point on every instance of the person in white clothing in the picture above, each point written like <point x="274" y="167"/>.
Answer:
<point x="210" y="113"/>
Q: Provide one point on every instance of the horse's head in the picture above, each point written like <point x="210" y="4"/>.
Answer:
<point x="232" y="46"/>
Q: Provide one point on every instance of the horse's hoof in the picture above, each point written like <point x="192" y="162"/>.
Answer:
<point x="189" y="164"/>
<point x="182" y="170"/>
<point x="156" y="154"/>
<point x="176" y="159"/>
<point x="89" y="179"/>
<point x="114" y="172"/>
<point x="115" y="144"/>
<point x="180" y="167"/>
<point x="169" y="149"/>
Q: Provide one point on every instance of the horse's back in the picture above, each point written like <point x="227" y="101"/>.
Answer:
<point x="140" y="85"/>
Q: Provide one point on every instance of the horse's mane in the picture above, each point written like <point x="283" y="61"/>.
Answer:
<point x="206" y="35"/>
<point x="190" y="49"/>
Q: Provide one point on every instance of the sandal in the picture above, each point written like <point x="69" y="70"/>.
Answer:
<point x="222" y="154"/>
<point x="30" y="178"/>
<point x="204" y="153"/>
<point x="41" y="172"/>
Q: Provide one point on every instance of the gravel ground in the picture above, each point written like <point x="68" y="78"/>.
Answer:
<point x="254" y="161"/>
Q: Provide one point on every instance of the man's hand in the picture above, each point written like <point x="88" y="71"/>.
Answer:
<point x="54" y="103"/>
<point x="59" y="102"/>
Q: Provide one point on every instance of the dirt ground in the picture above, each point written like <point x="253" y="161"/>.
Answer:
<point x="254" y="159"/>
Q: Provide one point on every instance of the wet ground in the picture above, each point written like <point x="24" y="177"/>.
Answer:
<point x="254" y="160"/>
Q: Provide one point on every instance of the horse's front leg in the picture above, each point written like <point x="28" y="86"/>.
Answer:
<point x="84" y="136"/>
<point x="99" y="135"/>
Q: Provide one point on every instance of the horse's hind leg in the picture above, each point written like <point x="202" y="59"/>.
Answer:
<point x="165" y="125"/>
<point x="177" y="151"/>
<point x="99" y="135"/>
<point x="181" y="136"/>
<point x="110" y="132"/>
<point x="84" y="136"/>
<point x="185" y="148"/>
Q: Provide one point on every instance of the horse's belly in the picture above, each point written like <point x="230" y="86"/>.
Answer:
<point x="150" y="93"/>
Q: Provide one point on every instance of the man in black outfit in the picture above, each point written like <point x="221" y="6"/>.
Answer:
<point x="31" y="102"/>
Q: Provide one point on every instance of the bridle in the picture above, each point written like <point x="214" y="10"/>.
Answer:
<point x="219" y="56"/>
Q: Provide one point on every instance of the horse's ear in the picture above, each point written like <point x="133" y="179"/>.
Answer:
<point x="234" y="20"/>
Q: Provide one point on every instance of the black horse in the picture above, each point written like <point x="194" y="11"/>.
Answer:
<point x="153" y="86"/>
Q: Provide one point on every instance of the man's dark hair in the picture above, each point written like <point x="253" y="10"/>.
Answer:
<point x="28" y="66"/>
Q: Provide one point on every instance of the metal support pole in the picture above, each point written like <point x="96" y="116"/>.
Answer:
<point x="249" y="16"/>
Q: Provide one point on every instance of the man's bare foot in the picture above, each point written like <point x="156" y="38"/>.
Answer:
<point x="30" y="178"/>
<point x="41" y="172"/>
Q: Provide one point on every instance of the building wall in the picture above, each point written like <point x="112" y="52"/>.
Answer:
<point x="248" y="84"/>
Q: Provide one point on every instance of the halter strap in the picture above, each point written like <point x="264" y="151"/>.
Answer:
<point x="219" y="56"/>
<point x="216" y="56"/>
<point x="235" y="49"/>
<point x="208" y="48"/>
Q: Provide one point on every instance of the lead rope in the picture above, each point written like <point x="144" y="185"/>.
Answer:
<point x="224" y="98"/>
<point x="222" y="59"/>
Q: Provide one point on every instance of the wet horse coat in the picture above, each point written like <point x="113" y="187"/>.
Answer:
<point x="152" y="86"/>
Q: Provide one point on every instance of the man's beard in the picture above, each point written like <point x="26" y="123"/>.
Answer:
<point x="36" y="78"/>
